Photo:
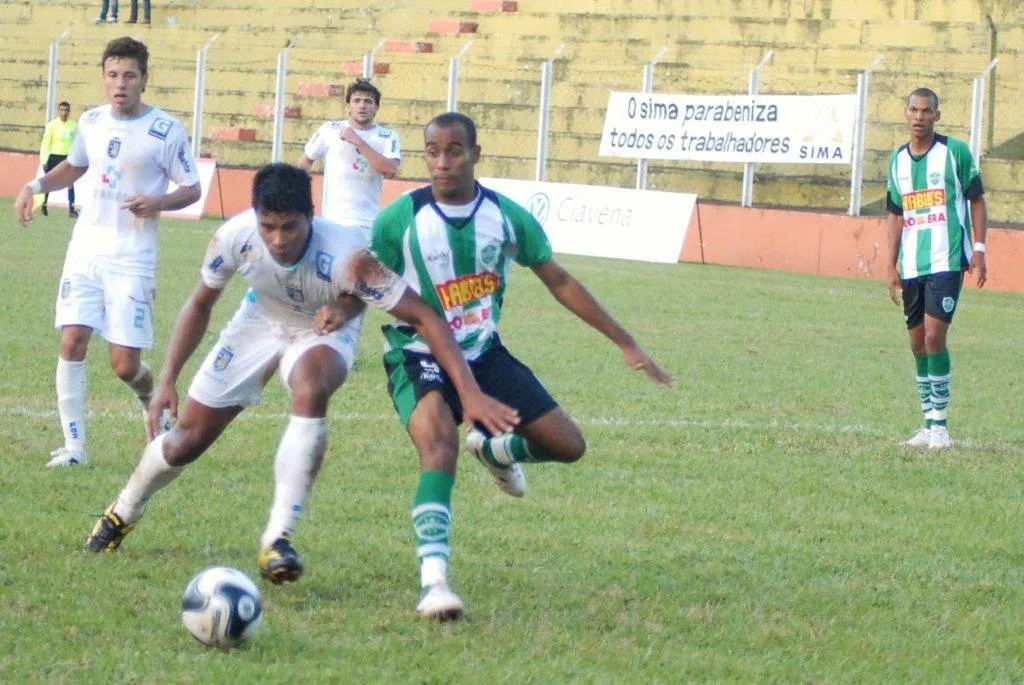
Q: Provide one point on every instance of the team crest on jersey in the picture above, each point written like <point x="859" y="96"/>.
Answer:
<point x="160" y="128"/>
<point x="948" y="303"/>
<point x="222" y="359"/>
<point x="111" y="177"/>
<point x="65" y="288"/>
<point x="935" y="178"/>
<point x="216" y="263"/>
<point x="489" y="256"/>
<point x="113" y="148"/>
<point x="294" y="294"/>
<point x="324" y="262"/>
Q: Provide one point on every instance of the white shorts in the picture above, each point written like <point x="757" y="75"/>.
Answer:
<point x="117" y="306"/>
<point x="248" y="352"/>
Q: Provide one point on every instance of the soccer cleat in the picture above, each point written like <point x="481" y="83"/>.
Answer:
<point x="511" y="479"/>
<point x="439" y="603"/>
<point x="939" y="439"/>
<point x="280" y="562"/>
<point x="72" y="213"/>
<point x="62" y="456"/>
<point x="112" y="20"/>
<point x="921" y="438"/>
<point x="107" y="534"/>
<point x="43" y="209"/>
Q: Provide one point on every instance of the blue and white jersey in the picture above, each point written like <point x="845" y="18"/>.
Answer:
<point x="291" y="295"/>
<point x="351" y="186"/>
<point x="126" y="157"/>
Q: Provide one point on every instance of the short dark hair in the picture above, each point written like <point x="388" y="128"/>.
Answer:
<point x="362" y="85"/>
<point x="125" y="48"/>
<point x="451" y="119"/>
<point x="64" y="103"/>
<point x="282" y="187"/>
<point x="924" y="93"/>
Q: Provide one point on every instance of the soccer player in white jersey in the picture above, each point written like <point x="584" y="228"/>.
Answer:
<point x="454" y="242"/>
<point x="358" y="155"/>
<point x="131" y="150"/>
<point x="302" y="273"/>
<point x="935" y="199"/>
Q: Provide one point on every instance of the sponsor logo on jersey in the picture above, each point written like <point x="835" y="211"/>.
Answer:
<point x="113" y="148"/>
<point x="160" y="128"/>
<point x="948" y="303"/>
<point x="246" y="253"/>
<point x="92" y="116"/>
<point x="439" y="258"/>
<point x="222" y="359"/>
<point x="359" y="164"/>
<point x="429" y="371"/>
<point x="294" y="294"/>
<point x="472" y="318"/>
<point x="465" y="289"/>
<point x="111" y="177"/>
<point x="368" y="290"/>
<point x="334" y="124"/>
<point x="539" y="205"/>
<point x="65" y="288"/>
<point x="216" y="263"/>
<point x="924" y="220"/>
<point x="183" y="159"/>
<point x="324" y="262"/>
<point x="924" y="199"/>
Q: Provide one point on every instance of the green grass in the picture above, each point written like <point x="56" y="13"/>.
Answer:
<point x="758" y="522"/>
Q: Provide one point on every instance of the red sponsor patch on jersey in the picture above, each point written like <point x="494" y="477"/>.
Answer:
<point x="924" y="199"/>
<point x="465" y="289"/>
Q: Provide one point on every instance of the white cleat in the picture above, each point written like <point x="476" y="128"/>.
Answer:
<point x="940" y="439"/>
<point x="511" y="479"/>
<point x="439" y="603"/>
<point x="922" y="438"/>
<point x="62" y="456"/>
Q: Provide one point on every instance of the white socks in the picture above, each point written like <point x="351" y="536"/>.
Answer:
<point x="152" y="473"/>
<point x="298" y="460"/>
<point x="433" y="570"/>
<point x="136" y="384"/>
<point x="71" y="391"/>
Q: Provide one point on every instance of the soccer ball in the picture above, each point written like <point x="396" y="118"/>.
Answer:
<point x="221" y="607"/>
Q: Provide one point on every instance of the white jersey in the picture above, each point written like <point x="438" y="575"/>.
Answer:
<point x="351" y="186"/>
<point x="125" y="157"/>
<point x="290" y="295"/>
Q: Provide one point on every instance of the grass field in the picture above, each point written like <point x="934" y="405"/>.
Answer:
<point x="758" y="522"/>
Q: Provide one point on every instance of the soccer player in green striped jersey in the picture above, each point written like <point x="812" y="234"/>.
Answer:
<point x="454" y="243"/>
<point x="935" y="199"/>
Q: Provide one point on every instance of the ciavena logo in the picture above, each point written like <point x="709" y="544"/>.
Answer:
<point x="539" y="205"/>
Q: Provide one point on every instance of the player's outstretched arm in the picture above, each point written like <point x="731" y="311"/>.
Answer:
<point x="572" y="295"/>
<point x="188" y="332"/>
<point x="60" y="176"/>
<point x="476" y="405"/>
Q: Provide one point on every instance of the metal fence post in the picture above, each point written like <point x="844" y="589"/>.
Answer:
<point x="51" y="77"/>
<point x="978" y="108"/>
<point x="747" y="198"/>
<point x="453" y="78"/>
<point x="369" y="58"/>
<point x="641" y="165"/>
<point x="200" y="98"/>
<point x="544" y="124"/>
<point x="859" y="131"/>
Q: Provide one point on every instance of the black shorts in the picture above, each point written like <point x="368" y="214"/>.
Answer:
<point x="935" y="295"/>
<point x="498" y="373"/>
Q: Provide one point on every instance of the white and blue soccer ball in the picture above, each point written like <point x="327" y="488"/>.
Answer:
<point x="221" y="607"/>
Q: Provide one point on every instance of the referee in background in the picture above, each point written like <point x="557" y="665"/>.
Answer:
<point x="57" y="140"/>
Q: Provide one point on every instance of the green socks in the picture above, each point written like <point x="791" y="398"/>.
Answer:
<point x="939" y="373"/>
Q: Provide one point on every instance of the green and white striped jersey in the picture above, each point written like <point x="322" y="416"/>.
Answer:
<point x="931" y="193"/>
<point x="458" y="259"/>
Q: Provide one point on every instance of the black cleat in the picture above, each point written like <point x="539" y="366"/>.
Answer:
<point x="280" y="563"/>
<point x="107" y="534"/>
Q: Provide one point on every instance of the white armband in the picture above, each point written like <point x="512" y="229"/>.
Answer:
<point x="35" y="185"/>
<point x="979" y="247"/>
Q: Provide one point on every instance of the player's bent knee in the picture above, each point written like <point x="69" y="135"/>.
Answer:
<point x="183" y="446"/>
<point x="575" y="449"/>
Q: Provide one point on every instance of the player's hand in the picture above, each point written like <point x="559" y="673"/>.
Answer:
<point x="638" y="360"/>
<point x="23" y="206"/>
<point x="493" y="415"/>
<point x="895" y="286"/>
<point x="329" y="319"/>
<point x="978" y="264"/>
<point x="143" y="206"/>
<point x="165" y="398"/>
<point x="349" y="135"/>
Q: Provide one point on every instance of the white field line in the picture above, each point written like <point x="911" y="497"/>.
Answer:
<point x="257" y="413"/>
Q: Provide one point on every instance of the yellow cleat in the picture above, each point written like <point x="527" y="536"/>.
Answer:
<point x="280" y="563"/>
